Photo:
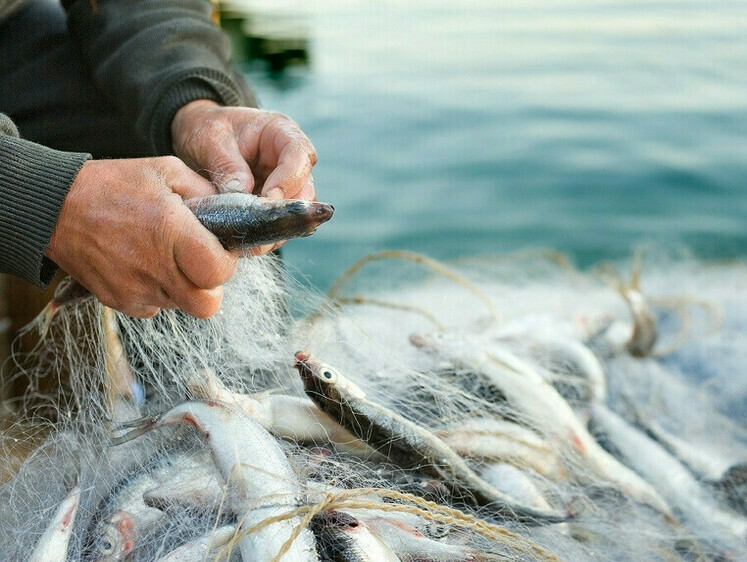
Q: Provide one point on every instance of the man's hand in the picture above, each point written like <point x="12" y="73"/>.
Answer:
<point x="125" y="234"/>
<point x="245" y="149"/>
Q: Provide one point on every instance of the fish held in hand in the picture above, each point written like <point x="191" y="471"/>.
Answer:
<point x="242" y="221"/>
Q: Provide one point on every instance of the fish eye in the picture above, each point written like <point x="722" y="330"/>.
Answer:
<point x="328" y="375"/>
<point x="107" y="547"/>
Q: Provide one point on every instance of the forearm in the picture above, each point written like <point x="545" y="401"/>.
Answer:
<point x="151" y="57"/>
<point x="34" y="181"/>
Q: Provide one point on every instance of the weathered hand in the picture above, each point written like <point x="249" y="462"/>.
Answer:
<point x="245" y="149"/>
<point x="125" y="234"/>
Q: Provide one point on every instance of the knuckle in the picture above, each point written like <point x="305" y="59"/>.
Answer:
<point x="166" y="169"/>
<point x="170" y="162"/>
<point x="207" y="133"/>
<point x="276" y="122"/>
<point x="278" y="117"/>
<point x="212" y="130"/>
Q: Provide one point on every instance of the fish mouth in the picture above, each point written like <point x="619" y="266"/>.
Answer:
<point x="303" y="365"/>
<point x="316" y="213"/>
<point x="299" y="219"/>
<point x="323" y="212"/>
<point x="309" y="368"/>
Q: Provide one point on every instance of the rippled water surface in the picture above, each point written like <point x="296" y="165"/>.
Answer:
<point x="484" y="126"/>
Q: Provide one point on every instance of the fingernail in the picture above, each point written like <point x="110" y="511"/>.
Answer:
<point x="232" y="185"/>
<point x="276" y="193"/>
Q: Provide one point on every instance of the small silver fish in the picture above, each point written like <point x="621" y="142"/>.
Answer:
<point x="52" y="546"/>
<point x="669" y="476"/>
<point x="537" y="401"/>
<point x="406" y="443"/>
<point x="123" y="518"/>
<point x="260" y="480"/>
<point x="496" y="440"/>
<point x="345" y="538"/>
<point x="200" y="487"/>
<point x="242" y="221"/>
<point x="707" y="462"/>
<point x="410" y="545"/>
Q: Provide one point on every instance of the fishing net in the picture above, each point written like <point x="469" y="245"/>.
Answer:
<point x="422" y="339"/>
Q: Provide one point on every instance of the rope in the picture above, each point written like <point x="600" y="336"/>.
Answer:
<point x="417" y="258"/>
<point x="429" y="510"/>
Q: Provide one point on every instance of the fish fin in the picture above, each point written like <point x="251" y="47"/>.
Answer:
<point x="138" y="427"/>
<point x="129" y="436"/>
<point x="137" y="422"/>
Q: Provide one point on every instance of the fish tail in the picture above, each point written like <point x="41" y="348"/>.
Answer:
<point x="137" y="428"/>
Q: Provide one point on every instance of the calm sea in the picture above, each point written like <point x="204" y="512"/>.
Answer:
<point x="479" y="127"/>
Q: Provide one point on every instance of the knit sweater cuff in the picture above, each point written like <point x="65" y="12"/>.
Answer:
<point x="196" y="85"/>
<point x="34" y="181"/>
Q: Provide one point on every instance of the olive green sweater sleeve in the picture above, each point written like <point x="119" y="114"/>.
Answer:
<point x="34" y="181"/>
<point x="151" y="57"/>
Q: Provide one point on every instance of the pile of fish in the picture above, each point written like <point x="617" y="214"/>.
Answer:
<point x="409" y="424"/>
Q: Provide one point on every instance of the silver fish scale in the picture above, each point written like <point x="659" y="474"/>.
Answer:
<point x="242" y="221"/>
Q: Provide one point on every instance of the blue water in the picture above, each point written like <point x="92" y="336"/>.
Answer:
<point x="480" y="127"/>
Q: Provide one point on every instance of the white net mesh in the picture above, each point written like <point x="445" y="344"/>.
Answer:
<point x="518" y="363"/>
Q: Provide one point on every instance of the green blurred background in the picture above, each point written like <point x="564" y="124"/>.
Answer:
<point x="486" y="126"/>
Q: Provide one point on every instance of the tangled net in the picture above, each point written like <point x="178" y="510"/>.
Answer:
<point x="661" y="474"/>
